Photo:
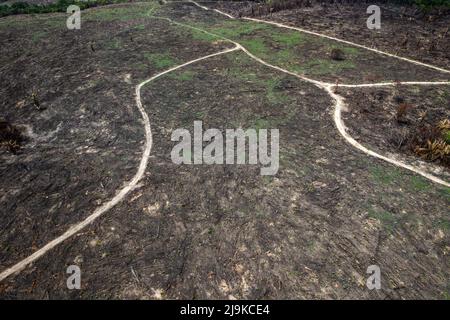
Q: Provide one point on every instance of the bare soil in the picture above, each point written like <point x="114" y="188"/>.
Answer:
<point x="377" y="119"/>
<point x="79" y="150"/>
<point x="404" y="30"/>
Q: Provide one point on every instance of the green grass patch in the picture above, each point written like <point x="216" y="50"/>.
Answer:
<point x="443" y="224"/>
<point x="39" y="35"/>
<point x="114" y="44"/>
<point x="199" y="115"/>
<point x="446" y="295"/>
<point x="260" y="124"/>
<point x="352" y="51"/>
<point x="140" y="66"/>
<point x="120" y="13"/>
<point x="160" y="60"/>
<point x="234" y="29"/>
<point x="291" y="39"/>
<point x="256" y="46"/>
<point x="31" y="22"/>
<point x="139" y="27"/>
<point x="384" y="176"/>
<point x="272" y="94"/>
<point x="182" y="76"/>
<point x="285" y="55"/>
<point x="348" y="51"/>
<point x="419" y="184"/>
<point x="445" y="192"/>
<point x="387" y="219"/>
<point x="282" y="47"/>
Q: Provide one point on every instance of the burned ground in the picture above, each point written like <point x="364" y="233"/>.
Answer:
<point x="405" y="31"/>
<point x="79" y="150"/>
<point x="189" y="231"/>
<point x="401" y="120"/>
<point x="306" y="54"/>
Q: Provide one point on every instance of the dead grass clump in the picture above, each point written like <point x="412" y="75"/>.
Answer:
<point x="10" y="137"/>
<point x="434" y="150"/>
<point x="432" y="142"/>
<point x="35" y="100"/>
<point x="271" y="6"/>
<point x="444" y="125"/>
<point x="401" y="112"/>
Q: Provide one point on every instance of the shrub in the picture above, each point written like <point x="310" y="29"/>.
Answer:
<point x="337" y="54"/>
<point x="429" y="4"/>
<point x="10" y="136"/>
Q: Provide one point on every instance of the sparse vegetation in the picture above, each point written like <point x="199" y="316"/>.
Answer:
<point x="160" y="60"/>
<point x="182" y="76"/>
<point x="429" y="4"/>
<point x="444" y="224"/>
<point x="402" y="109"/>
<point x="273" y="93"/>
<point x="325" y="66"/>
<point x="388" y="220"/>
<point x="202" y="36"/>
<point x="58" y="6"/>
<point x="384" y="176"/>
<point x="447" y="136"/>
<point x="434" y="150"/>
<point x="290" y="39"/>
<point x="419" y="184"/>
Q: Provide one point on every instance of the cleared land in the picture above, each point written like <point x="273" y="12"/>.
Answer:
<point x="205" y="231"/>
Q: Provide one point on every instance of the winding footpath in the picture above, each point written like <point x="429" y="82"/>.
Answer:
<point x="328" y="87"/>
